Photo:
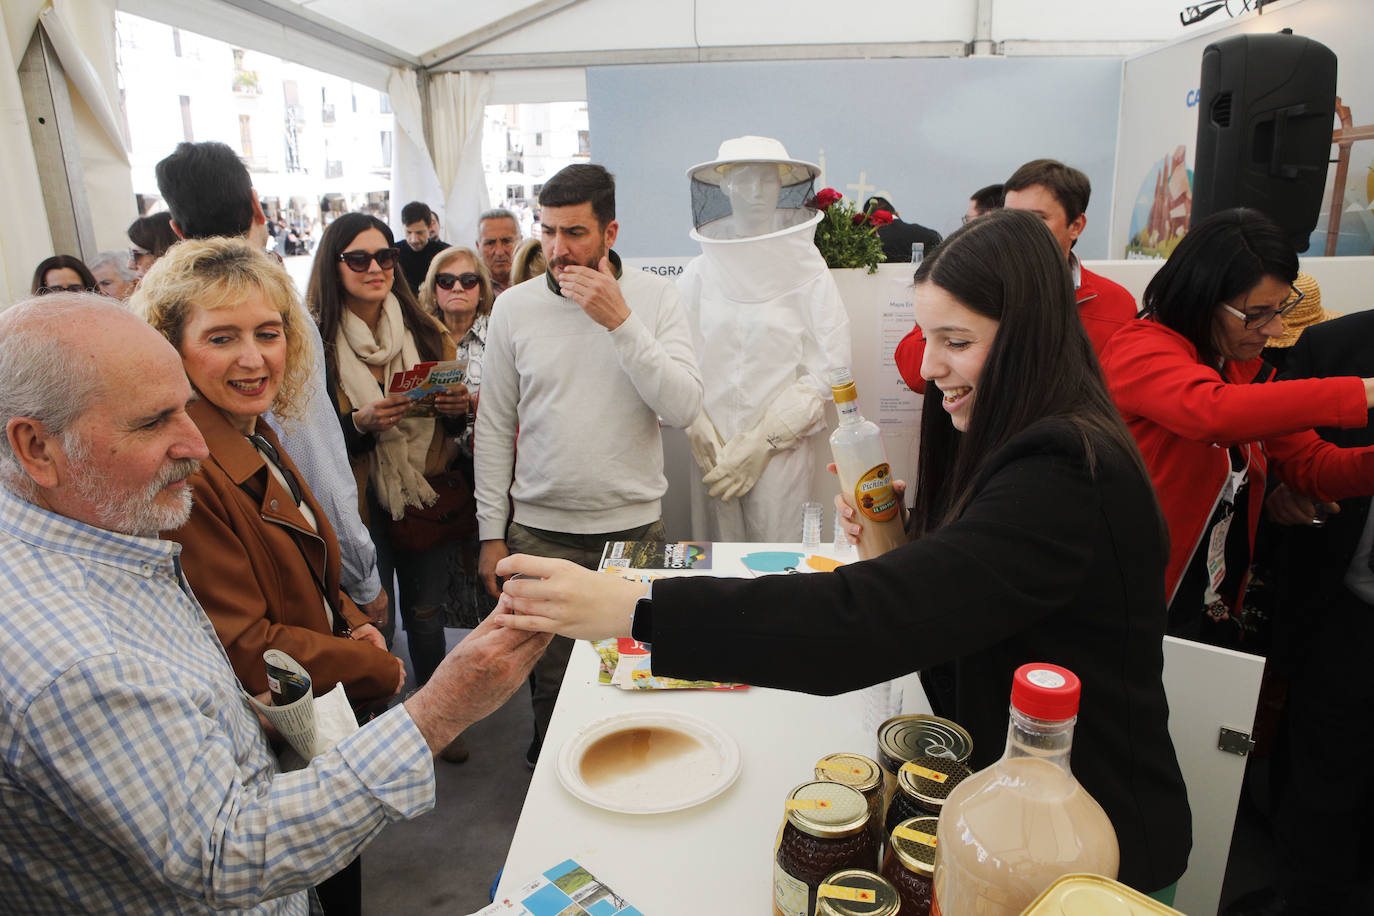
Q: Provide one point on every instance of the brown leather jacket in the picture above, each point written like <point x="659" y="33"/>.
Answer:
<point x="259" y="571"/>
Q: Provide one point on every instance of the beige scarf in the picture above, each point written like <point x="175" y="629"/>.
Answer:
<point x="398" y="462"/>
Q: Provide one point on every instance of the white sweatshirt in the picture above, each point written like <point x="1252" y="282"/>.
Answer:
<point x="586" y="403"/>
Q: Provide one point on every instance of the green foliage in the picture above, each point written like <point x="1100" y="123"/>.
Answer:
<point x="845" y="243"/>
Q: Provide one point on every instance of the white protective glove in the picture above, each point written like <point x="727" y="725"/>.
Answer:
<point x="741" y="462"/>
<point x="705" y="441"/>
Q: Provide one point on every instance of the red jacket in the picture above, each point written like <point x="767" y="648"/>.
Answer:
<point x="1184" y="415"/>
<point x="1103" y="306"/>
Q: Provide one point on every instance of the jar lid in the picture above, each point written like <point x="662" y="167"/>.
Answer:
<point x="851" y="769"/>
<point x="827" y="809"/>
<point x="857" y="892"/>
<point x="1044" y="691"/>
<point x="913" y="842"/>
<point x="929" y="780"/>
<point x="904" y="738"/>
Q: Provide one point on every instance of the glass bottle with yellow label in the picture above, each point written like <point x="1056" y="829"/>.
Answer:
<point x="865" y="475"/>
<point x="825" y="830"/>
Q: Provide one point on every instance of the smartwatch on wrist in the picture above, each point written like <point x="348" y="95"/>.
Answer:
<point x="642" y="621"/>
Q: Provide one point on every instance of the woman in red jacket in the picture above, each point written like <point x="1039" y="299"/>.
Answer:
<point x="1190" y="383"/>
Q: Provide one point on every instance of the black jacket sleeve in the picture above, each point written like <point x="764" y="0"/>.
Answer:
<point x="1019" y="552"/>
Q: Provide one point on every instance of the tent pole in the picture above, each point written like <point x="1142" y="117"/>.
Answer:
<point x="52" y="130"/>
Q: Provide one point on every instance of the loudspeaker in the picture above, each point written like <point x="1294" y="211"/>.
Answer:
<point x="1266" y="110"/>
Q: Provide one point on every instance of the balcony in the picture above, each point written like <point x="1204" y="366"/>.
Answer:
<point x="246" y="83"/>
<point x="327" y="114"/>
<point x="333" y="168"/>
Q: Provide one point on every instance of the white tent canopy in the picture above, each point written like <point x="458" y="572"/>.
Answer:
<point x="466" y="56"/>
<point x="573" y="34"/>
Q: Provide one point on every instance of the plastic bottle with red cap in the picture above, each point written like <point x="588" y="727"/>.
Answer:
<point x="1008" y="832"/>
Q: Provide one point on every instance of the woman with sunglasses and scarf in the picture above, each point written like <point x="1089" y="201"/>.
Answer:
<point x="457" y="291"/>
<point x="1202" y="405"/>
<point x="372" y="329"/>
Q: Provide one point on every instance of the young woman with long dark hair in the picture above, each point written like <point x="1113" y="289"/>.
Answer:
<point x="1036" y="536"/>
<point x="372" y="328"/>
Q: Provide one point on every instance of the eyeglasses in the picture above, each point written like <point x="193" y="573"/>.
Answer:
<point x="74" y="288"/>
<point x="1258" y="320"/>
<point x="358" y="261"/>
<point x="274" y="456"/>
<point x="468" y="280"/>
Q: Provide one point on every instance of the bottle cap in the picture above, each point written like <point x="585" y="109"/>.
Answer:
<point x="1045" y="691"/>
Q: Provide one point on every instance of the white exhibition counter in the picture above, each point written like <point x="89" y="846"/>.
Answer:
<point x="690" y="862"/>
<point x="693" y="861"/>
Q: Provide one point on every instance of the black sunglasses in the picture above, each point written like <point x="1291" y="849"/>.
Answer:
<point x="74" y="288"/>
<point x="468" y="280"/>
<point x="357" y="261"/>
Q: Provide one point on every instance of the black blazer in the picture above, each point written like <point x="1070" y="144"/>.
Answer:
<point x="1047" y="563"/>
<point x="1314" y="560"/>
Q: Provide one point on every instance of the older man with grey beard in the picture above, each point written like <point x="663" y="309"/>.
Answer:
<point x="136" y="777"/>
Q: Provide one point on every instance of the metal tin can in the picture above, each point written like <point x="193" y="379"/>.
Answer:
<point x="1073" y="894"/>
<point x="857" y="892"/>
<point x="910" y="863"/>
<point x="825" y="831"/>
<point x="904" y="738"/>
<point x="862" y="773"/>
<point x="923" y="785"/>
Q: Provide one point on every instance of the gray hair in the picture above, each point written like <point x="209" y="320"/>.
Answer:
<point x="119" y="260"/>
<point x="41" y="378"/>
<point x="496" y="213"/>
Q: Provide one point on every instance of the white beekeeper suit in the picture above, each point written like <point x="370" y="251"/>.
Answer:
<point x="768" y="326"/>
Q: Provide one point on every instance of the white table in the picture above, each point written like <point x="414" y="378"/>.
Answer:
<point x="716" y="857"/>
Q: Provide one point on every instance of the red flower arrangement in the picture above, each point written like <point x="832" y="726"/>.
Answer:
<point x="847" y="237"/>
<point x="825" y="197"/>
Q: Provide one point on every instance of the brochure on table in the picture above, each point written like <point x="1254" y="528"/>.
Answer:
<point x="625" y="663"/>
<point x="567" y="889"/>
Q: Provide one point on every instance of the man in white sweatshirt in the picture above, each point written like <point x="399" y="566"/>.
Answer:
<point x="581" y="365"/>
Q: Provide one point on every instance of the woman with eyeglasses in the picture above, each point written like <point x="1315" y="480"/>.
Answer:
<point x="149" y="238"/>
<point x="1202" y="405"/>
<point x="258" y="550"/>
<point x="457" y="290"/>
<point x="373" y="328"/>
<point x="62" y="273"/>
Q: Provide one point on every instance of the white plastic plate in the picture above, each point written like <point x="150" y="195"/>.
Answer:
<point x="675" y="775"/>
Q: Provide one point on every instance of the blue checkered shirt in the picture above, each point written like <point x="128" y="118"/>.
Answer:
<point x="136" y="776"/>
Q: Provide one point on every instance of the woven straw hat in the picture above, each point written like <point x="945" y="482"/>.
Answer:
<point x="1308" y="313"/>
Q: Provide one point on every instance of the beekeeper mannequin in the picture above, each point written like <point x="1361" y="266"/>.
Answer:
<point x="768" y="325"/>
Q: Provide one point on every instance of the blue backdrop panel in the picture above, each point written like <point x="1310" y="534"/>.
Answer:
<point x="924" y="133"/>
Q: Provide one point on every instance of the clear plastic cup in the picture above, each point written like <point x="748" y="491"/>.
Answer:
<point x="812" y="514"/>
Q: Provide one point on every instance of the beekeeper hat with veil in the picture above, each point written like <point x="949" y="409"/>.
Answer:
<point x="751" y="188"/>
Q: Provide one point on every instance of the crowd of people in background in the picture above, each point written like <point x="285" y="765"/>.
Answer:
<point x="298" y="490"/>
